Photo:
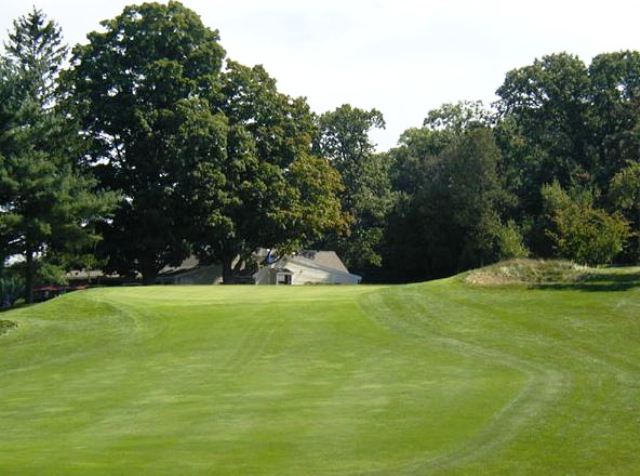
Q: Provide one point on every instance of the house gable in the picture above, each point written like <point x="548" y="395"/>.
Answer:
<point x="306" y="268"/>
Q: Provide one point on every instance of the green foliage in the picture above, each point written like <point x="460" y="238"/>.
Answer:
<point x="48" y="203"/>
<point x="624" y="193"/>
<point x="208" y="160"/>
<point x="453" y="221"/>
<point x="615" y="104"/>
<point x="206" y="156"/>
<point x="11" y="289"/>
<point x="511" y="242"/>
<point x="581" y="232"/>
<point x="625" y="188"/>
<point x="455" y="118"/>
<point x="440" y="128"/>
<point x="131" y="87"/>
<point x="315" y="208"/>
<point x="546" y="127"/>
<point x="561" y="120"/>
<point x="345" y="137"/>
<point x="36" y="51"/>
<point x="367" y="197"/>
<point x="254" y="183"/>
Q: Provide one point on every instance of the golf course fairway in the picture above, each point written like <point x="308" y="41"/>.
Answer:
<point x="434" y="378"/>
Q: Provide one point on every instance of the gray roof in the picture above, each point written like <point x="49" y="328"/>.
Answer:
<point x="187" y="264"/>
<point x="326" y="259"/>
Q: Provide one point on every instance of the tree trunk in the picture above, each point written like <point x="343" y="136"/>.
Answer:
<point x="29" y="277"/>
<point x="227" y="270"/>
<point x="149" y="278"/>
<point x="148" y="271"/>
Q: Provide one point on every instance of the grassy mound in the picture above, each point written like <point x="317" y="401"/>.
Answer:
<point x="528" y="271"/>
<point x="433" y="378"/>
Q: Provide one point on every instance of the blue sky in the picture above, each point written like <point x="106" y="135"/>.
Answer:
<point x="402" y="57"/>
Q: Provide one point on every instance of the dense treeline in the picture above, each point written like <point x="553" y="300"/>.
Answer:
<point x="152" y="145"/>
<point x="541" y="173"/>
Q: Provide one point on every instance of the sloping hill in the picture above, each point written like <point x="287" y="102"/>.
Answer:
<point x="441" y="377"/>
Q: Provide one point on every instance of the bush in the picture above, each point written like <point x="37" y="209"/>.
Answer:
<point x="510" y="242"/>
<point x="11" y="288"/>
<point x="582" y="233"/>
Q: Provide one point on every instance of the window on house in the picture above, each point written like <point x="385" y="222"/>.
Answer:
<point x="284" y="278"/>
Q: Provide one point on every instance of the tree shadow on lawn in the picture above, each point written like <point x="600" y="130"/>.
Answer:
<point x="607" y="279"/>
<point x="20" y="305"/>
<point x="6" y="326"/>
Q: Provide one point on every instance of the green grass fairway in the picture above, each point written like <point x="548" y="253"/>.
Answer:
<point x="440" y="377"/>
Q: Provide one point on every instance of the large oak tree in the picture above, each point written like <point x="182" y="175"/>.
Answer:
<point x="210" y="157"/>
<point x="254" y="182"/>
<point x="127" y="83"/>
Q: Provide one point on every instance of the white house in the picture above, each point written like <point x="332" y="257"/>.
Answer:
<point x="307" y="267"/>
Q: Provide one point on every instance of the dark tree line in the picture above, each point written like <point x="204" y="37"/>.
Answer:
<point x="542" y="173"/>
<point x="152" y="145"/>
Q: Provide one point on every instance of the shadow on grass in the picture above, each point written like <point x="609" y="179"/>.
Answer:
<point x="608" y="279"/>
<point x="6" y="326"/>
<point x="16" y="306"/>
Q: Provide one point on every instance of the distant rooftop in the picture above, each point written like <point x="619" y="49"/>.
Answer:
<point x="327" y="259"/>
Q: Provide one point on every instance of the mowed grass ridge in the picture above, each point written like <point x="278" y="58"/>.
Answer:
<point x="440" y="377"/>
